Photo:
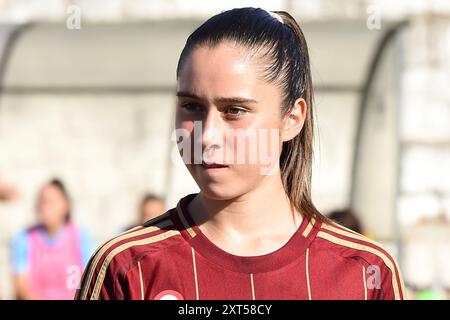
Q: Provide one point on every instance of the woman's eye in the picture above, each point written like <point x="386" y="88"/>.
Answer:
<point x="192" y="107"/>
<point x="235" y="111"/>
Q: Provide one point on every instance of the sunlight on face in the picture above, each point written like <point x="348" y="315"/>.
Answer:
<point x="221" y="89"/>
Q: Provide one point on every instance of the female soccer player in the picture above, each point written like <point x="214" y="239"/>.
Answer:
<point x="48" y="258"/>
<point x="244" y="124"/>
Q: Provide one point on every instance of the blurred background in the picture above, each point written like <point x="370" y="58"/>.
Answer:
<point x="87" y="97"/>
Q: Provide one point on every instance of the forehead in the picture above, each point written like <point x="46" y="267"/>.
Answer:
<point x="225" y="69"/>
<point x="50" y="190"/>
<point x="153" y="202"/>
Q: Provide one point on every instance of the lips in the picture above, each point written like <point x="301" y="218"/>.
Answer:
<point x="213" y="165"/>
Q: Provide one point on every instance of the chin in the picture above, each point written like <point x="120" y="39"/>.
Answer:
<point x="218" y="192"/>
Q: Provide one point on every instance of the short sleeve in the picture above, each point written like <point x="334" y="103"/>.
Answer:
<point x="20" y="253"/>
<point x="87" y="245"/>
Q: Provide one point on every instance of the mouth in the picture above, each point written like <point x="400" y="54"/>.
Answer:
<point x="213" y="165"/>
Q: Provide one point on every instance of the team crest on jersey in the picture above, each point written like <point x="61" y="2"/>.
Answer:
<point x="169" y="295"/>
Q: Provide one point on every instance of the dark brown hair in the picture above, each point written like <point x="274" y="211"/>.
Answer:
<point x="57" y="183"/>
<point x="283" y="50"/>
<point x="347" y="218"/>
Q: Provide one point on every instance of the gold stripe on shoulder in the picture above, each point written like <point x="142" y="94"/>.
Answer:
<point x="184" y="222"/>
<point x="309" y="227"/>
<point x="352" y="234"/>
<point x="358" y="246"/>
<point x="101" y="251"/>
<point x="132" y="229"/>
<point x="341" y="227"/>
<point x="121" y="248"/>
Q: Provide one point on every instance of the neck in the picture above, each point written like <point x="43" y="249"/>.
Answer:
<point x="250" y="215"/>
<point x="53" y="229"/>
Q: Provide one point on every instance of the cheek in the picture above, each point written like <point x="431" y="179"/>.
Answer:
<point x="181" y="122"/>
<point x="63" y="207"/>
<point x="270" y="139"/>
<point x="44" y="206"/>
<point x="47" y="213"/>
<point x="182" y="136"/>
<point x="55" y="208"/>
<point x="258" y="147"/>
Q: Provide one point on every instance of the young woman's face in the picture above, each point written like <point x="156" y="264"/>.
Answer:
<point x="232" y="116"/>
<point x="52" y="206"/>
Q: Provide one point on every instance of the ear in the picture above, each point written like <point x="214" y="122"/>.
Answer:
<point x="294" y="121"/>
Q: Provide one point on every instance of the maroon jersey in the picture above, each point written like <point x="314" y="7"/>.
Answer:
<point x="170" y="258"/>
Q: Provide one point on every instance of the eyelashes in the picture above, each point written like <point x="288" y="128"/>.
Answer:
<point x="192" y="107"/>
<point x="231" y="112"/>
<point x="236" y="111"/>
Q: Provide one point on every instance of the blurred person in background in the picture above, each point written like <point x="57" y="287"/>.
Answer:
<point x="346" y="218"/>
<point x="151" y="206"/>
<point x="46" y="257"/>
<point x="349" y="219"/>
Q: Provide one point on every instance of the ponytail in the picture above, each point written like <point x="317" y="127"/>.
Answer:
<point x="297" y="154"/>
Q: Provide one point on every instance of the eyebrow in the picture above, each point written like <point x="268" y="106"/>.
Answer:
<point x="185" y="94"/>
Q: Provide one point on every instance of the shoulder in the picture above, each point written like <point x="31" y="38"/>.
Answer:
<point x="375" y="259"/>
<point x="348" y="243"/>
<point x="120" y="253"/>
<point x="20" y="239"/>
<point x="19" y="246"/>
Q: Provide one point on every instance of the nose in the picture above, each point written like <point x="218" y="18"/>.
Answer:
<point x="212" y="136"/>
